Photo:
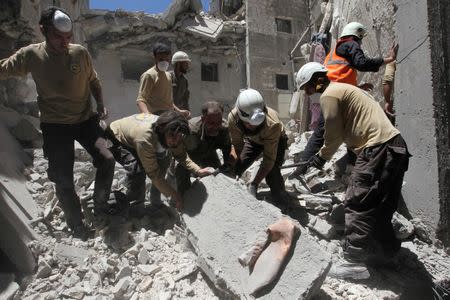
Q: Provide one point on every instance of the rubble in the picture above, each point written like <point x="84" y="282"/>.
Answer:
<point x="402" y="227"/>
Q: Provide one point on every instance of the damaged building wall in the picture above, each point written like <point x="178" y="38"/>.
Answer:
<point x="420" y="96"/>
<point x="273" y="30"/>
<point x="121" y="45"/>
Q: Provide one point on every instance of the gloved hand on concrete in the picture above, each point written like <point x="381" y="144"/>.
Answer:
<point x="252" y="189"/>
<point x="299" y="171"/>
<point x="317" y="162"/>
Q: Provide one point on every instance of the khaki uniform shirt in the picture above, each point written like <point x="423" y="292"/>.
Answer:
<point x="202" y="148"/>
<point x="352" y="116"/>
<point x="137" y="133"/>
<point x="180" y="90"/>
<point x="63" y="81"/>
<point x="156" y="90"/>
<point x="268" y="136"/>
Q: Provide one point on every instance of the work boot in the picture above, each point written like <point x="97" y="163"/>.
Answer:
<point x="81" y="232"/>
<point x="346" y="269"/>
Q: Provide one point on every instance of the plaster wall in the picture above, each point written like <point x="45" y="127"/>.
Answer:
<point x="415" y="110"/>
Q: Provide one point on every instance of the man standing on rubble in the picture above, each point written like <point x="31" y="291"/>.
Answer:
<point x="65" y="79"/>
<point x="142" y="143"/>
<point x="180" y="87"/>
<point x="155" y="90"/>
<point x="209" y="133"/>
<point x="353" y="117"/>
<point x="255" y="129"/>
<point x="343" y="63"/>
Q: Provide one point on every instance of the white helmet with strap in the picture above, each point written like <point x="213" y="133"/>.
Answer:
<point x="307" y="71"/>
<point x="354" y="28"/>
<point x="251" y="107"/>
<point x="180" y="56"/>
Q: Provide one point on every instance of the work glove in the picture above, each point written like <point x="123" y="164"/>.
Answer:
<point x="299" y="171"/>
<point x="317" y="162"/>
<point x="252" y="188"/>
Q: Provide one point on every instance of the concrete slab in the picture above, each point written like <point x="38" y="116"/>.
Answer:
<point x="205" y="26"/>
<point x="17" y="207"/>
<point x="223" y="221"/>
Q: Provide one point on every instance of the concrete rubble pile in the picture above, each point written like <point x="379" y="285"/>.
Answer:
<point x="158" y="262"/>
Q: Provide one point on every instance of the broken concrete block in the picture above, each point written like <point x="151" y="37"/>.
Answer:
<point x="123" y="272"/>
<point x="148" y="269"/>
<point x="222" y="223"/>
<point x="75" y="292"/>
<point x="402" y="227"/>
<point x="322" y="227"/>
<point x="27" y="130"/>
<point x="145" y="284"/>
<point x="177" y="7"/>
<point x="317" y="202"/>
<point x="421" y="230"/>
<point x="71" y="254"/>
<point x="44" y="270"/>
<point x="143" y="256"/>
<point x="121" y="287"/>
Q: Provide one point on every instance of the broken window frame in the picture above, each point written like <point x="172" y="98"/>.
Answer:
<point x="210" y="72"/>
<point x="278" y="22"/>
<point x="282" y="81"/>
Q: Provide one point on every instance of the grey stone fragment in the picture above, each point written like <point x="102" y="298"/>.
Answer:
<point x="44" y="270"/>
<point x="337" y="215"/>
<point x="148" y="269"/>
<point x="421" y="230"/>
<point x="75" y="292"/>
<point x="143" y="256"/>
<point x="402" y="227"/>
<point x="222" y="223"/>
<point x="322" y="227"/>
<point x="145" y="284"/>
<point x="123" y="272"/>
<point x="71" y="254"/>
<point x="121" y="287"/>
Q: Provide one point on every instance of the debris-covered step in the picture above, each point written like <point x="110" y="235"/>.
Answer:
<point x="223" y="221"/>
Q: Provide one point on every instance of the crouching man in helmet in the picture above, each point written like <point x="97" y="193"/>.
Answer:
<point x="143" y="144"/>
<point x="255" y="129"/>
<point x="353" y="117"/>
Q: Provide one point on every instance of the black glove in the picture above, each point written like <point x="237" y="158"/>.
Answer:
<point x="252" y="188"/>
<point x="300" y="170"/>
<point x="317" y="162"/>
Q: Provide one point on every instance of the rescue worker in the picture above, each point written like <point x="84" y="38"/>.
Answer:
<point x="209" y="132"/>
<point x="155" y="90"/>
<point x="180" y="86"/>
<point x="255" y="129"/>
<point x="65" y="79"/>
<point x="353" y="117"/>
<point x="343" y="63"/>
<point x="143" y="144"/>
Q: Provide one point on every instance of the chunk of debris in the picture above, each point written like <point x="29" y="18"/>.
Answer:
<point x="220" y="228"/>
<point x="402" y="227"/>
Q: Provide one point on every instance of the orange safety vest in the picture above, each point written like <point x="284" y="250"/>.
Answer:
<point x="339" y="69"/>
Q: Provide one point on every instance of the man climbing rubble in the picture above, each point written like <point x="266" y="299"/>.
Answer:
<point x="343" y="63"/>
<point x="142" y="143"/>
<point x="353" y="117"/>
<point x="65" y="79"/>
<point x="155" y="90"/>
<point x="209" y="132"/>
<point x="180" y="86"/>
<point x="255" y="129"/>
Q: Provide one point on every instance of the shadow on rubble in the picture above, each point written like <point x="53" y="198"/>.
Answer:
<point x="409" y="279"/>
<point x="194" y="199"/>
<point x="290" y="209"/>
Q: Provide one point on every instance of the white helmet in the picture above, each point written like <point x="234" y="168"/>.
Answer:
<point x="250" y="107"/>
<point x="307" y="71"/>
<point x="180" y="56"/>
<point x="355" y="29"/>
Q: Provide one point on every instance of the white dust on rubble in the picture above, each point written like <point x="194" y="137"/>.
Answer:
<point x="153" y="266"/>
